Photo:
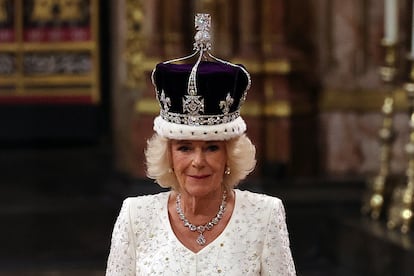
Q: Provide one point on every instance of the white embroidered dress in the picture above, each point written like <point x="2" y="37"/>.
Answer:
<point x="255" y="241"/>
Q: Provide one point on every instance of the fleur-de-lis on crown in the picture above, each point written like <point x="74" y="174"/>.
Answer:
<point x="225" y="105"/>
<point x="165" y="101"/>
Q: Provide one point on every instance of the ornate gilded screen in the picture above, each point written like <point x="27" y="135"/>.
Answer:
<point x="49" y="51"/>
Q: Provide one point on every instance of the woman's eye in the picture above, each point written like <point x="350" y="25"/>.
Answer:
<point x="183" y="148"/>
<point x="213" y="148"/>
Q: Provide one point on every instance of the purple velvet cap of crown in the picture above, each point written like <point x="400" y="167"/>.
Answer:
<point x="212" y="112"/>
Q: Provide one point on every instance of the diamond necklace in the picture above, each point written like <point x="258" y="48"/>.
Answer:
<point x="201" y="240"/>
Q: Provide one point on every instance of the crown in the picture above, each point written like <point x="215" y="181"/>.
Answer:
<point x="201" y="100"/>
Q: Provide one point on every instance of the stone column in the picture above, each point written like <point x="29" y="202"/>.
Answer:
<point x="247" y="35"/>
<point x="174" y="25"/>
<point x="122" y="100"/>
<point x="152" y="28"/>
<point x="249" y="19"/>
<point x="289" y="109"/>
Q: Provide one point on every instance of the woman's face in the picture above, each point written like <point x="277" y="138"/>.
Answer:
<point x="199" y="165"/>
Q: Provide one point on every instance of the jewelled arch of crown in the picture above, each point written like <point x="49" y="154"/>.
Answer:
<point x="193" y="104"/>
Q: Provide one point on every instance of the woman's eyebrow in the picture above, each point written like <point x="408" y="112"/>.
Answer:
<point x="182" y="142"/>
<point x="212" y="142"/>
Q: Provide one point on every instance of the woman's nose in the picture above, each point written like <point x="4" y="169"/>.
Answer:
<point x="198" y="159"/>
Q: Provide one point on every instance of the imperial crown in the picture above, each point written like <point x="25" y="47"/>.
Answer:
<point x="201" y="100"/>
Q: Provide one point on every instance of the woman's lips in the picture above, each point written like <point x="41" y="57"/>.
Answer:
<point x="199" y="176"/>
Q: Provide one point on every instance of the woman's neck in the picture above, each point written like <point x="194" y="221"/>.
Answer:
<point x="199" y="210"/>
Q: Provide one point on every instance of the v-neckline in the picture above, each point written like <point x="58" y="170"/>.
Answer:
<point x="171" y="233"/>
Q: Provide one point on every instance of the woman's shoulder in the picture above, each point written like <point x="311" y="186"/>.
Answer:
<point x="259" y="200"/>
<point x="256" y="196"/>
<point x="256" y="206"/>
<point x="146" y="202"/>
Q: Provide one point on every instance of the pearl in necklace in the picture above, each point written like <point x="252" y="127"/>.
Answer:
<point x="201" y="240"/>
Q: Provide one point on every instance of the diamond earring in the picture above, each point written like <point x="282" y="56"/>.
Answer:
<point x="227" y="171"/>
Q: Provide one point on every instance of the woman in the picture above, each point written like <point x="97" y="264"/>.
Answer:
<point x="203" y="225"/>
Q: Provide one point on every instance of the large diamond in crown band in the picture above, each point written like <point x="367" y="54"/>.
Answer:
<point x="193" y="105"/>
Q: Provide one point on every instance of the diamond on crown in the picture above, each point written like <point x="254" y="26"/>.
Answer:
<point x="198" y="120"/>
<point x="202" y="38"/>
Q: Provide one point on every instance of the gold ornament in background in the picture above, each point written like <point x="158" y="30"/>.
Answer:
<point x="400" y="212"/>
<point x="379" y="186"/>
<point x="42" y="10"/>
<point x="134" y="48"/>
<point x="3" y="12"/>
<point x="70" y="10"/>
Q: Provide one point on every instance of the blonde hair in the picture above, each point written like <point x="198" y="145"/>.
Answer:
<point x="241" y="160"/>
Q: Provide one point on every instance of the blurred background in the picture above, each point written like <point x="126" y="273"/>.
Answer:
<point x="329" y="111"/>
